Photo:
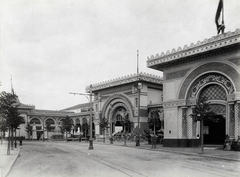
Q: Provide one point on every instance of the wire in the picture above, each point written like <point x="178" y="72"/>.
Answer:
<point x="129" y="32"/>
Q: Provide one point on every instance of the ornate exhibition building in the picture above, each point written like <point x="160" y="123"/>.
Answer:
<point x="209" y="68"/>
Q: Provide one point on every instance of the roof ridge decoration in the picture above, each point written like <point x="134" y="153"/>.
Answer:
<point x="126" y="79"/>
<point x="224" y="39"/>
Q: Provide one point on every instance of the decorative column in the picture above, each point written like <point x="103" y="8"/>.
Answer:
<point x="184" y="122"/>
<point x="237" y="117"/>
<point x="231" y="120"/>
<point x="179" y="123"/>
<point x="189" y="124"/>
<point x="34" y="132"/>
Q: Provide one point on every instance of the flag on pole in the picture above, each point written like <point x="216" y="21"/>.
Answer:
<point x="220" y="27"/>
<point x="12" y="86"/>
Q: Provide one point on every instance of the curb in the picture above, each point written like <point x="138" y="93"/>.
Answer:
<point x="12" y="163"/>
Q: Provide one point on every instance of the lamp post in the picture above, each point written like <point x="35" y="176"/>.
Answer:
<point x="90" y="119"/>
<point x="139" y="86"/>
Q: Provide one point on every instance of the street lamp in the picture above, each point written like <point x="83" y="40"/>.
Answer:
<point x="90" y="119"/>
<point x="139" y="86"/>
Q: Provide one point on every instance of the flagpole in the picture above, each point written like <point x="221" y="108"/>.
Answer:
<point x="137" y="64"/>
<point x="222" y="13"/>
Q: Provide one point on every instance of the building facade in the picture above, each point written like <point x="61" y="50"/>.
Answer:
<point x="114" y="100"/>
<point x="209" y="68"/>
<point x="118" y="99"/>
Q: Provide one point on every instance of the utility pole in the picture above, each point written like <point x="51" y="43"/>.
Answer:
<point x="90" y="116"/>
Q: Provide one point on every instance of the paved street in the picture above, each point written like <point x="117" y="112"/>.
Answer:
<point x="61" y="159"/>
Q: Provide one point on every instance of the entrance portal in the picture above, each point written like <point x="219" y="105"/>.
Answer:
<point x="214" y="132"/>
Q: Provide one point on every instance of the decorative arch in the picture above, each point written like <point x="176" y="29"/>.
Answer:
<point x="50" y="121"/>
<point x="227" y="72"/>
<point x="116" y="99"/>
<point x="117" y="96"/>
<point x="35" y="120"/>
<point x="116" y="106"/>
<point x="221" y="85"/>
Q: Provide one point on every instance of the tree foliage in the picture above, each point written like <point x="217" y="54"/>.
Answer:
<point x="154" y="120"/>
<point x="48" y="126"/>
<point x="28" y="128"/>
<point x="103" y="123"/>
<point x="66" y="124"/>
<point x="9" y="110"/>
<point x="203" y="112"/>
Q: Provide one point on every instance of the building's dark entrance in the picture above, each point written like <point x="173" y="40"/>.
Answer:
<point x="214" y="132"/>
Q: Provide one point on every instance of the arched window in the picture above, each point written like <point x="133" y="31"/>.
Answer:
<point x="35" y="120"/>
<point x="50" y="121"/>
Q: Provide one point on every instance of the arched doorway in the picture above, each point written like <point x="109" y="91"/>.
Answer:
<point x="215" y="87"/>
<point x="120" y="120"/>
<point x="214" y="132"/>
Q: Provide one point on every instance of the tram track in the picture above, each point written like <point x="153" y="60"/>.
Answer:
<point x="193" y="165"/>
<point x="122" y="169"/>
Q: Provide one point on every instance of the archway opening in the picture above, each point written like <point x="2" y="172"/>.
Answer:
<point x="214" y="131"/>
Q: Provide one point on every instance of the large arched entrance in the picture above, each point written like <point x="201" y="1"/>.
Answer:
<point x="214" y="132"/>
<point x="121" y="122"/>
<point x="118" y="109"/>
<point x="215" y="87"/>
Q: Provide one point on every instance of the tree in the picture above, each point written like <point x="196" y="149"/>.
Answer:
<point x="48" y="128"/>
<point x="154" y="122"/>
<point x="202" y="112"/>
<point x="66" y="125"/>
<point x="28" y="129"/>
<point x="103" y="125"/>
<point x="125" y="124"/>
<point x="85" y="129"/>
<point x="3" y="127"/>
<point x="9" y="110"/>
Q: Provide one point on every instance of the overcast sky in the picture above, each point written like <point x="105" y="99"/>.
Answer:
<point x="53" y="47"/>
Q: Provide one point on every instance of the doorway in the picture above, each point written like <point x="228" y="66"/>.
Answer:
<point x="214" y="132"/>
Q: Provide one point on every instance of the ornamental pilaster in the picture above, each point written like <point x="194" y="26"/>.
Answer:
<point x="237" y="119"/>
<point x="231" y="121"/>
<point x="184" y="122"/>
<point x="189" y="123"/>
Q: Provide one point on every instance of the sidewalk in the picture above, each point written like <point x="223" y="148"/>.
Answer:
<point x="209" y="151"/>
<point x="6" y="161"/>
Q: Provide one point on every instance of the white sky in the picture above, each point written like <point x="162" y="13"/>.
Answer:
<point x="53" y="47"/>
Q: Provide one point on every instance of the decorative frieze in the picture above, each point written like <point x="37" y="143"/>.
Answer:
<point x="213" y="43"/>
<point x="116" y="89"/>
<point x="126" y="79"/>
<point x="177" y="74"/>
<point x="174" y="103"/>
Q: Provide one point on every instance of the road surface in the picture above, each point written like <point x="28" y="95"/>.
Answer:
<point x="74" y="159"/>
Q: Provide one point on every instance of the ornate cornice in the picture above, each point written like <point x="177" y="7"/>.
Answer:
<point x="154" y="105"/>
<point x="215" y="42"/>
<point x="125" y="80"/>
<point x="174" y="104"/>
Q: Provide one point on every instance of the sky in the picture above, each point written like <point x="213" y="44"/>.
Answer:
<point x="53" y="47"/>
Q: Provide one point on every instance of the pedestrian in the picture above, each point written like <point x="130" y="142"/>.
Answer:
<point x="227" y="144"/>
<point x="153" y="140"/>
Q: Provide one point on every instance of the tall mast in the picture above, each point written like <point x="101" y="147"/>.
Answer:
<point x="137" y="65"/>
<point x="222" y="13"/>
